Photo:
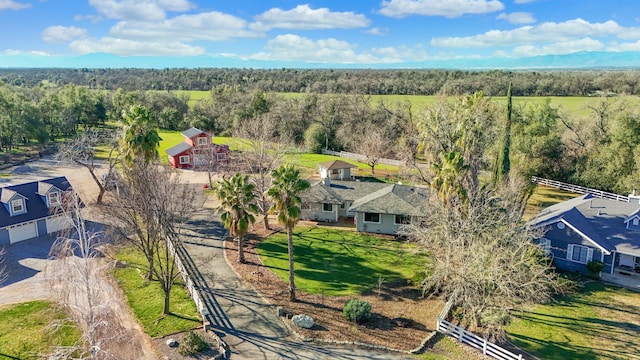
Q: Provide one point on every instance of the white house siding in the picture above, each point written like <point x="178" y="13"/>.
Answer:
<point x="316" y="213"/>
<point x="386" y="226"/>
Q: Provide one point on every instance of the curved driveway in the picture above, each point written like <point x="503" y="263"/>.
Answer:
<point x="239" y="315"/>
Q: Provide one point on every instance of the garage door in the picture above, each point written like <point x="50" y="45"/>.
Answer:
<point x="22" y="232"/>
<point x="57" y="223"/>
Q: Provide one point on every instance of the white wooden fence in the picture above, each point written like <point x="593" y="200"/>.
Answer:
<point x="470" y="339"/>
<point x="579" y="189"/>
<point x="195" y="295"/>
<point x="361" y="158"/>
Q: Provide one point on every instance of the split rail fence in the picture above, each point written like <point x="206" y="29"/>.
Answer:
<point x="468" y="338"/>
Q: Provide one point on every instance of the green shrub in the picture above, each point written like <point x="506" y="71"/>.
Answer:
<point x="357" y="310"/>
<point x="192" y="344"/>
<point x="595" y="267"/>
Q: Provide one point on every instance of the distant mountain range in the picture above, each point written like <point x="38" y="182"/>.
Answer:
<point x="579" y="60"/>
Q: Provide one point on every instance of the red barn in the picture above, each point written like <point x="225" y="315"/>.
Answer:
<point x="197" y="151"/>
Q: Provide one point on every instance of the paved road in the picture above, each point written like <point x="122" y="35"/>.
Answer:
<point x="240" y="316"/>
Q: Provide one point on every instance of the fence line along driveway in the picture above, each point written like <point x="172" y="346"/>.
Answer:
<point x="237" y="313"/>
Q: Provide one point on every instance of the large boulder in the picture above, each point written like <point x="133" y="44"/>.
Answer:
<point x="302" y="321"/>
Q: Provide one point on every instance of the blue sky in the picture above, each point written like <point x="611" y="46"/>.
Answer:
<point x="371" y="33"/>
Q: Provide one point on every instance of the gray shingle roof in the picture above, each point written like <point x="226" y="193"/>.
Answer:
<point x="191" y="132"/>
<point x="336" y="164"/>
<point x="601" y="220"/>
<point x="371" y="196"/>
<point x="178" y="149"/>
<point x="36" y="205"/>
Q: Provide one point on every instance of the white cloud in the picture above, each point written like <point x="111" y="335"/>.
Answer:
<point x="212" y="26"/>
<point x="377" y="31"/>
<point x="517" y="17"/>
<point x="291" y="47"/>
<point x="14" y="52"/>
<point x="446" y="8"/>
<point x="62" y="34"/>
<point x="139" y="9"/>
<point x="558" y="48"/>
<point x="523" y="1"/>
<point x="12" y="5"/>
<point x="565" y="31"/>
<point x="134" y="48"/>
<point x="304" y="17"/>
<point x="633" y="46"/>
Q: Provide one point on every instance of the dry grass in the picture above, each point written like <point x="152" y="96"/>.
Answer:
<point x="385" y="328"/>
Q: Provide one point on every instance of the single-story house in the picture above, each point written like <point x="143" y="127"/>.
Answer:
<point x="197" y="151"/>
<point x="32" y="209"/>
<point x="375" y="207"/>
<point x="587" y="228"/>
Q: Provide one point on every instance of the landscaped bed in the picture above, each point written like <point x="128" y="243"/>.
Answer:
<point x="598" y="322"/>
<point x="333" y="266"/>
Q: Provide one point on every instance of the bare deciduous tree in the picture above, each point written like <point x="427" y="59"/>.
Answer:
<point x="263" y="154"/>
<point x="149" y="210"/>
<point x="483" y="257"/>
<point x="374" y="145"/>
<point x="77" y="281"/>
<point x="82" y="151"/>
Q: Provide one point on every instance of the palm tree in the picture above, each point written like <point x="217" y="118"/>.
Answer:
<point x="284" y="191"/>
<point x="448" y="179"/>
<point x="237" y="207"/>
<point x="141" y="138"/>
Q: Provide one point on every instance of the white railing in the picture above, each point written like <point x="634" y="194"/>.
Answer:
<point x="362" y="158"/>
<point x="470" y="339"/>
<point x="195" y="295"/>
<point x="579" y="189"/>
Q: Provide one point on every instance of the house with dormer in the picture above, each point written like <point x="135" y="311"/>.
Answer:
<point x="375" y="207"/>
<point x="587" y="228"/>
<point x="32" y="209"/>
<point x="197" y="151"/>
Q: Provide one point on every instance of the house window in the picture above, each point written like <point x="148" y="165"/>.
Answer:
<point x="580" y="254"/>
<point x="372" y="217"/>
<point x="202" y="141"/>
<point x="546" y="245"/>
<point x="402" y="220"/>
<point x="221" y="156"/>
<point x="327" y="207"/>
<point x="184" y="159"/>
<point x="54" y="198"/>
<point x="17" y="206"/>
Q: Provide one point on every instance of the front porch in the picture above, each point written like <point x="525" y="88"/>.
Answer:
<point x="623" y="275"/>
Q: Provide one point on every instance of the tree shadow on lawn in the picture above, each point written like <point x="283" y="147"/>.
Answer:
<point x="330" y="271"/>
<point x="603" y="330"/>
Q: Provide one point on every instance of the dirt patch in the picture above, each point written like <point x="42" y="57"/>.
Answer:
<point x="401" y="319"/>
<point x="173" y="352"/>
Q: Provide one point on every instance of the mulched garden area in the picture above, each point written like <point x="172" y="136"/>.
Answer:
<point x="401" y="319"/>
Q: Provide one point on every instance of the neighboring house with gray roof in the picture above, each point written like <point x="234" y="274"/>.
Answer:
<point x="32" y="209"/>
<point x="375" y="207"/>
<point x="587" y="228"/>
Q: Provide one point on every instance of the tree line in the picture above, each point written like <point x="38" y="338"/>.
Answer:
<point x="339" y="81"/>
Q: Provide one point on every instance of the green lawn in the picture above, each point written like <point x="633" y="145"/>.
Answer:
<point x="25" y="332"/>
<point x="543" y="197"/>
<point x="341" y="262"/>
<point x="146" y="298"/>
<point x="598" y="322"/>
<point x="446" y="348"/>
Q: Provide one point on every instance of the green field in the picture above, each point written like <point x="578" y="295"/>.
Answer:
<point x="598" y="322"/>
<point x="577" y="106"/>
<point x="341" y="262"/>
<point x="146" y="298"/>
<point x="26" y="330"/>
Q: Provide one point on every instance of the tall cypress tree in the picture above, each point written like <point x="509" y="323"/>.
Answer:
<point x="503" y="164"/>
